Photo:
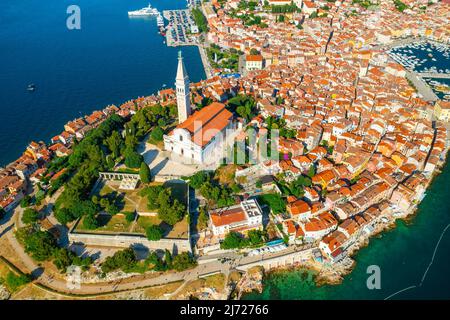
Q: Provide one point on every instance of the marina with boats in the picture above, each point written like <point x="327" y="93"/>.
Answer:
<point x="428" y="62"/>
<point x="181" y="26"/>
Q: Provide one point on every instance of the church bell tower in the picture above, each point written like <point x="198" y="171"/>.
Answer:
<point x="183" y="94"/>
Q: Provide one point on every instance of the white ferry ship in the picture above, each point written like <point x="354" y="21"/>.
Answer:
<point x="147" y="11"/>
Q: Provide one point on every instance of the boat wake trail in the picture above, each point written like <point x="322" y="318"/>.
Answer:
<point x="428" y="268"/>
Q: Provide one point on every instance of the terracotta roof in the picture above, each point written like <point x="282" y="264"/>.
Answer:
<point x="203" y="125"/>
<point x="225" y="217"/>
<point x="254" y="57"/>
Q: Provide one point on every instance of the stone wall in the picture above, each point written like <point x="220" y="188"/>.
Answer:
<point x="280" y="261"/>
<point x="126" y="240"/>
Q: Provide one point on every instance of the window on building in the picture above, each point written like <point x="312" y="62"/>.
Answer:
<point x="181" y="138"/>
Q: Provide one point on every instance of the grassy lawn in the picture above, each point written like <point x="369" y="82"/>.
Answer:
<point x="142" y="205"/>
<point x="133" y="201"/>
<point x="116" y="223"/>
<point x="144" y="222"/>
<point x="178" y="231"/>
<point x="4" y="269"/>
<point x="106" y="189"/>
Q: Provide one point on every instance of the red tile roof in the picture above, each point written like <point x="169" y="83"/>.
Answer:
<point x="203" y="125"/>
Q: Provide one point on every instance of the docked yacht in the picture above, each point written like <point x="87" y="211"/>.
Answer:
<point x="160" y="20"/>
<point x="147" y="11"/>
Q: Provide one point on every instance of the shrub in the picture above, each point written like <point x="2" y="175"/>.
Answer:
<point x="154" y="233"/>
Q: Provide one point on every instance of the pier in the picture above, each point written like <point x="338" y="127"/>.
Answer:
<point x="205" y="61"/>
<point x="434" y="75"/>
<point x="422" y="87"/>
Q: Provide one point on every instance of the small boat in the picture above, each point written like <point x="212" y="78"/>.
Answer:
<point x="162" y="30"/>
<point x="160" y="20"/>
<point x="31" y="87"/>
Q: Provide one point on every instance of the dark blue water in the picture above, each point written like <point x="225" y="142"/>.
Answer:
<point x="428" y="57"/>
<point x="111" y="59"/>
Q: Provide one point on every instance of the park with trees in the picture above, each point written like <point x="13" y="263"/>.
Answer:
<point x="112" y="142"/>
<point x="161" y="260"/>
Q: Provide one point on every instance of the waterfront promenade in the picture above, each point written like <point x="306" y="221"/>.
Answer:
<point x="421" y="86"/>
<point x="205" y="60"/>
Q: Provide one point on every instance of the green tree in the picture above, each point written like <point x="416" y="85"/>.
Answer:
<point x="202" y="219"/>
<point x="154" y="233"/>
<point x="144" y="173"/>
<point x="25" y="202"/>
<point x="114" y="142"/>
<point x="129" y="216"/>
<point x="171" y="214"/>
<point x="62" y="259"/>
<point x="311" y="171"/>
<point x="255" y="237"/>
<point x="232" y="241"/>
<point x="14" y="282"/>
<point x="183" y="261"/>
<point x="90" y="222"/>
<point x="274" y="202"/>
<point x="112" y="209"/>
<point x="168" y="259"/>
<point x="157" y="134"/>
<point x="40" y="244"/>
<point x="30" y="216"/>
<point x="198" y="179"/>
<point x="132" y="158"/>
<point x="124" y="260"/>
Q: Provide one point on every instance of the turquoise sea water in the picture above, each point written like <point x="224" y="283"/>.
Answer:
<point x="112" y="58"/>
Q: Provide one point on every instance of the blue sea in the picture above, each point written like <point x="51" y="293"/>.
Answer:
<point x="112" y="59"/>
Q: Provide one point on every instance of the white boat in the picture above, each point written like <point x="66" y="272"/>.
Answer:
<point x="160" y="20"/>
<point x="147" y="11"/>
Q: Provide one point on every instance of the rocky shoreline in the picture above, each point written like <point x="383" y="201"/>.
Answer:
<point x="334" y="274"/>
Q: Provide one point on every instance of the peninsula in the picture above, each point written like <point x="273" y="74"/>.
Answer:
<point x="306" y="139"/>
